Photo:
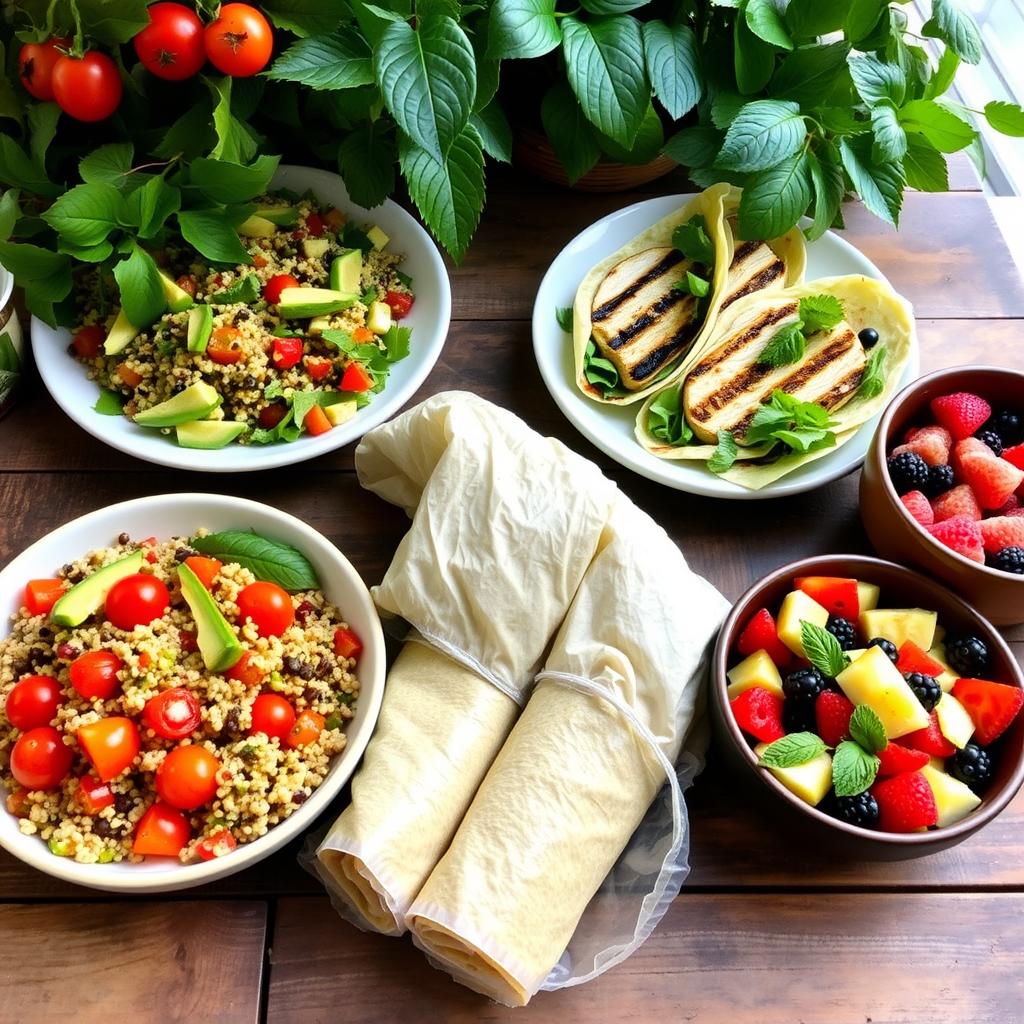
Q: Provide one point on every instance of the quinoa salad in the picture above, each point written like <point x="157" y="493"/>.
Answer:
<point x="293" y="341"/>
<point x="160" y="701"/>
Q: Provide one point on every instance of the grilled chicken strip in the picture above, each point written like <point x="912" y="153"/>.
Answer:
<point x="727" y="386"/>
<point x="754" y="267"/>
<point x="640" y="322"/>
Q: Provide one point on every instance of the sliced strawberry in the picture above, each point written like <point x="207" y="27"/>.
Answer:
<point x="896" y="759"/>
<point x="992" y="706"/>
<point x="832" y="712"/>
<point x="913" y="659"/>
<point x="933" y="444"/>
<point x="961" y="413"/>
<point x="992" y="479"/>
<point x="760" y="634"/>
<point x="758" y="712"/>
<point x="1002" y="532"/>
<point x="968" y="446"/>
<point x="837" y="594"/>
<point x="962" y="535"/>
<point x="1012" y="504"/>
<point x="919" y="507"/>
<point x="957" y="501"/>
<point x="905" y="803"/>
<point x="930" y="739"/>
<point x="1015" y="455"/>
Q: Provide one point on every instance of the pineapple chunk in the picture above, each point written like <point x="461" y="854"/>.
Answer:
<point x="378" y="318"/>
<point x="867" y="595"/>
<point x="797" y="608"/>
<point x="954" y="722"/>
<point x="757" y="670"/>
<point x="953" y="799"/>
<point x="855" y="654"/>
<point x="874" y="680"/>
<point x="341" y="412"/>
<point x="948" y="677"/>
<point x="900" y="625"/>
<point x="810" y="781"/>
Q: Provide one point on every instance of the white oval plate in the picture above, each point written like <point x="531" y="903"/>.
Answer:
<point x="66" y="381"/>
<point x="609" y="427"/>
<point x="163" y="516"/>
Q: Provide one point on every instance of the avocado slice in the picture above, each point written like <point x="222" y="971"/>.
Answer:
<point x="178" y="299"/>
<point x="256" y="226"/>
<point x="85" y="598"/>
<point x="377" y="237"/>
<point x="346" y="271"/>
<point x="200" y="324"/>
<point x="282" y="216"/>
<point x="195" y="402"/>
<point x="209" y="433"/>
<point x="121" y="334"/>
<point x="217" y="641"/>
<point x="378" y="318"/>
<point x="310" y="302"/>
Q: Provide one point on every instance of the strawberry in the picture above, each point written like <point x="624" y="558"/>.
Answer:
<point x="1015" y="513"/>
<point x="968" y="446"/>
<point x="896" y="759"/>
<point x="905" y="803"/>
<point x="761" y="634"/>
<point x="992" y="479"/>
<point x="929" y="739"/>
<point x="917" y="506"/>
<point x="962" y="535"/>
<point x="1012" y="504"/>
<point x="837" y="594"/>
<point x="1015" y="455"/>
<point x="992" y="706"/>
<point x="832" y="712"/>
<point x="958" y="501"/>
<point x="758" y="712"/>
<point x="913" y="659"/>
<point x="931" y="443"/>
<point x="961" y="413"/>
<point x="1002" y="532"/>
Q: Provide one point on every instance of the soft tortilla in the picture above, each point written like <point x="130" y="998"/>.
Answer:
<point x="790" y="247"/>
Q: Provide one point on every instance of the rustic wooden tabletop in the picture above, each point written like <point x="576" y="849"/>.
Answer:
<point x="766" y="929"/>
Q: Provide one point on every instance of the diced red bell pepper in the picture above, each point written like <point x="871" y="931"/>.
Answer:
<point x="346" y="643"/>
<point x="286" y="352"/>
<point x="317" y="367"/>
<point x="316" y="422"/>
<point x="42" y="595"/>
<point x="992" y="706"/>
<point x="400" y="303"/>
<point x="217" y="844"/>
<point x="837" y="594"/>
<point x="355" y="378"/>
<point x="929" y="740"/>
<point x="88" y="341"/>
<point x="913" y="659"/>
<point x="315" y="225"/>
<point x="761" y="634"/>
<point x="93" y="795"/>
<point x="758" y="712"/>
<point x="17" y="802"/>
<point x="206" y="569"/>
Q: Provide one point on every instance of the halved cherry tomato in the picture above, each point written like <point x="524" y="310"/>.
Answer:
<point x="93" y="795"/>
<point x="307" y="729"/>
<point x="131" y="378"/>
<point x="286" y="352"/>
<point x="94" y="674"/>
<point x="277" y="284"/>
<point x="316" y="422"/>
<point x="87" y="88"/>
<point x="239" y="41"/>
<point x="17" y="802"/>
<point x="245" y="671"/>
<point x="270" y="415"/>
<point x="217" y="844"/>
<point x="346" y="643"/>
<point x="42" y="595"/>
<point x="205" y="568"/>
<point x="171" y="45"/>
<point x="268" y="605"/>
<point x="173" y="714"/>
<point x="136" y="600"/>
<point x="334" y="219"/>
<point x="111" y="744"/>
<point x="317" y="367"/>
<point x="33" y="702"/>
<point x="162" y="832"/>
<point x="225" y="346"/>
<point x="40" y="760"/>
<point x="36" y="62"/>
<point x="355" y="378"/>
<point x="88" y="341"/>
<point x="272" y="715"/>
<point x="400" y="303"/>
<point x="315" y="224"/>
<point x="187" y="777"/>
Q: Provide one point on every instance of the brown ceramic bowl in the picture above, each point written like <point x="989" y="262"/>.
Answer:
<point x="894" y="534"/>
<point x="900" y="588"/>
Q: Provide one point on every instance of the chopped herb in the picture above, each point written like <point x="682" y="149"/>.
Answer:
<point x="563" y="314"/>
<point x="404" y="278"/>
<point x="347" y="699"/>
<point x="665" y="418"/>
<point x="692" y="240"/>
<point x="333" y="722"/>
<point x="355" y="238"/>
<point x="693" y="284"/>
<point x="109" y="403"/>
<point x="820" y="313"/>
<point x="599" y="371"/>
<point x="725" y="454"/>
<point x="786" y="346"/>
<point x="801" y="426"/>
<point x="370" y="295"/>
<point x="873" y="382"/>
<point x="246" y="289"/>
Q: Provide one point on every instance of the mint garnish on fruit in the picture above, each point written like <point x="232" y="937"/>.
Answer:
<point x="823" y="650"/>
<point x="792" y="750"/>
<point x="853" y="769"/>
<point x="867" y="729"/>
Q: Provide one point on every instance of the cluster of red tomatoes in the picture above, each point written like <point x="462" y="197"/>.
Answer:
<point x="175" y="45"/>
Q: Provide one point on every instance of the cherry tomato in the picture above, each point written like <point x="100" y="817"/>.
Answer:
<point x="239" y="41"/>
<point x="245" y="671"/>
<point x="225" y="346"/>
<point x="355" y="378"/>
<point x="88" y="341"/>
<point x="87" y="88"/>
<point x="111" y="744"/>
<point x="217" y="844"/>
<point x="272" y="414"/>
<point x="269" y="607"/>
<point x="173" y="714"/>
<point x="272" y="715"/>
<point x="307" y="729"/>
<point x="187" y="777"/>
<point x="317" y="367"/>
<point x="206" y="569"/>
<point x="315" y="224"/>
<point x="40" y="760"/>
<point x="93" y="795"/>
<point x="171" y="45"/>
<point x="286" y="352"/>
<point x="94" y="674"/>
<point x="162" y="832"/>
<point x="400" y="303"/>
<point x="33" y="702"/>
<point x="36" y="62"/>
<point x="136" y="600"/>
<point x="346" y="643"/>
<point x="316" y="422"/>
<point x="277" y="284"/>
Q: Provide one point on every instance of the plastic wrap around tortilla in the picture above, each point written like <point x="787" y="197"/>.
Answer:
<point x="514" y="896"/>
<point x="866" y="303"/>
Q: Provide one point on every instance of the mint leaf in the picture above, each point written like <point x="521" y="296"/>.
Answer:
<point x="943" y="75"/>
<point x="266" y="559"/>
<point x="246" y="289"/>
<point x="563" y="314"/>
<point x="790" y="751"/>
<point x="650" y="138"/>
<point x="940" y="126"/>
<point x="890" y="138"/>
<point x="810" y="18"/>
<point x="924" y="167"/>
<point x="109" y="403"/>
<point x="853" y="770"/>
<point x="829" y="186"/>
<point x="366" y="159"/>
<point x="956" y="28"/>
<point x="673" y="62"/>
<point x="42" y="124"/>
<point x="693" y="284"/>
<point x="149" y="205"/>
<point x="306" y="17"/>
<point x="571" y="135"/>
<point x="753" y="58"/>
<point x="235" y="141"/>
<point x="880" y="185"/>
<point x="810" y="73"/>
<point x="212" y="236"/>
<point x="1005" y="117"/>
<point x="225" y="182"/>
<point x="522" y="28"/>
<point x="695" y="146"/>
<point x="693" y="241"/>
<point x="822" y="650"/>
<point x="665" y="419"/>
<point x="820" y="313"/>
<point x="10" y="211"/>
<point x="599" y="371"/>
<point x="867" y="729"/>
<point x="773" y="200"/>
<point x="341" y="60"/>
<point x="787" y="346"/>
<point x="763" y="133"/>
<point x="873" y="382"/>
<point x="495" y="131"/>
<point x="86" y="214"/>
<point x="765" y="20"/>
<point x="725" y="454"/>
<point x="142" y="294"/>
<point x="877" y="80"/>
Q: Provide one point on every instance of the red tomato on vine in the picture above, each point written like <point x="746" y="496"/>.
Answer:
<point x="239" y="41"/>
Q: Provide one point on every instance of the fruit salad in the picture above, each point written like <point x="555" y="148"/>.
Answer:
<point x="960" y="476"/>
<point x="876" y="714"/>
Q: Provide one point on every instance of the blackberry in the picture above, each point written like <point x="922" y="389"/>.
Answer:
<point x="798" y="717"/>
<point x="1009" y="560"/>
<point x="1007" y="425"/>
<point x="940" y="479"/>
<point x="803" y="686"/>
<point x="887" y="645"/>
<point x="908" y="472"/>
<point x="992" y="439"/>
<point x="925" y="688"/>
<point x="861" y="810"/>
<point x="972" y="765"/>
<point x="868" y="337"/>
<point x="844" y="631"/>
<point x="967" y="656"/>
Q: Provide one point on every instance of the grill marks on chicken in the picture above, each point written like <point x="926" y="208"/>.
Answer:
<point x="755" y="266"/>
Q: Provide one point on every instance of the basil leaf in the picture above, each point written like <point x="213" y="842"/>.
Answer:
<point x="600" y="372"/>
<point x="725" y="454"/>
<point x="786" y="346"/>
<point x="212" y="236"/>
<point x="266" y="559"/>
<point x="925" y="168"/>
<point x="764" y="133"/>
<point x="341" y="60"/>
<point x="306" y="17"/>
<point x="693" y="241"/>
<point x="397" y="343"/>
<point x="829" y="185"/>
<point x="42" y="125"/>
<point x="246" y="289"/>
<point x="224" y="182"/>
<point x="571" y="135"/>
<point x="795" y="749"/>
<point x="87" y="253"/>
<point x="666" y="420"/>
<point x="941" y="127"/>
<point x="880" y="185"/>
<point x="693" y="284"/>
<point x="822" y="650"/>
<point x="366" y="159"/>
<point x="810" y="73"/>
<point x="149" y="206"/>
<point x="193" y="133"/>
<point x="522" y="28"/>
<point x="1007" y="118"/>
<point x="673" y="62"/>
<point x="876" y="80"/>
<point x="956" y="28"/>
<point x="853" y="770"/>
<point x="142" y="294"/>
<point x="235" y="142"/>
<point x="773" y="200"/>
<point x="866" y="728"/>
<point x="890" y="138"/>
<point x="111" y="163"/>
<point x="112" y="23"/>
<point x="19" y="171"/>
<point x="873" y="382"/>
<point x="695" y="146"/>
<point x="109" y="403"/>
<point x="862" y="17"/>
<point x="810" y="18"/>
<point x="753" y="59"/>
<point x="563" y="314"/>
<point x="765" y="20"/>
<point x="820" y="313"/>
<point x="86" y="214"/>
<point x="495" y="132"/>
<point x="9" y="212"/>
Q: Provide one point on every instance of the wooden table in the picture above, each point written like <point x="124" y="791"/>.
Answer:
<point x="766" y="928"/>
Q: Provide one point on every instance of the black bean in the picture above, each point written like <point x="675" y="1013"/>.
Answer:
<point x="248" y="381"/>
<point x="20" y="667"/>
<point x="232" y="721"/>
<point x="323" y="667"/>
<point x="39" y="657"/>
<point x="301" y="797"/>
<point x="68" y="651"/>
<point x="306" y="671"/>
<point x="292" y="665"/>
<point x="311" y="694"/>
<point x="123" y="538"/>
<point x="182" y="553"/>
<point x="101" y="828"/>
<point x="44" y="631"/>
<point x="123" y="803"/>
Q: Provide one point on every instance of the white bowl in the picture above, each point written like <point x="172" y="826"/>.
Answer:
<point x="609" y="427"/>
<point x="66" y="380"/>
<point x="11" y="326"/>
<point x="164" y="516"/>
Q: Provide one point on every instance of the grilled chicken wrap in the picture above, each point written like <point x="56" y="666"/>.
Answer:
<point x="734" y="379"/>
